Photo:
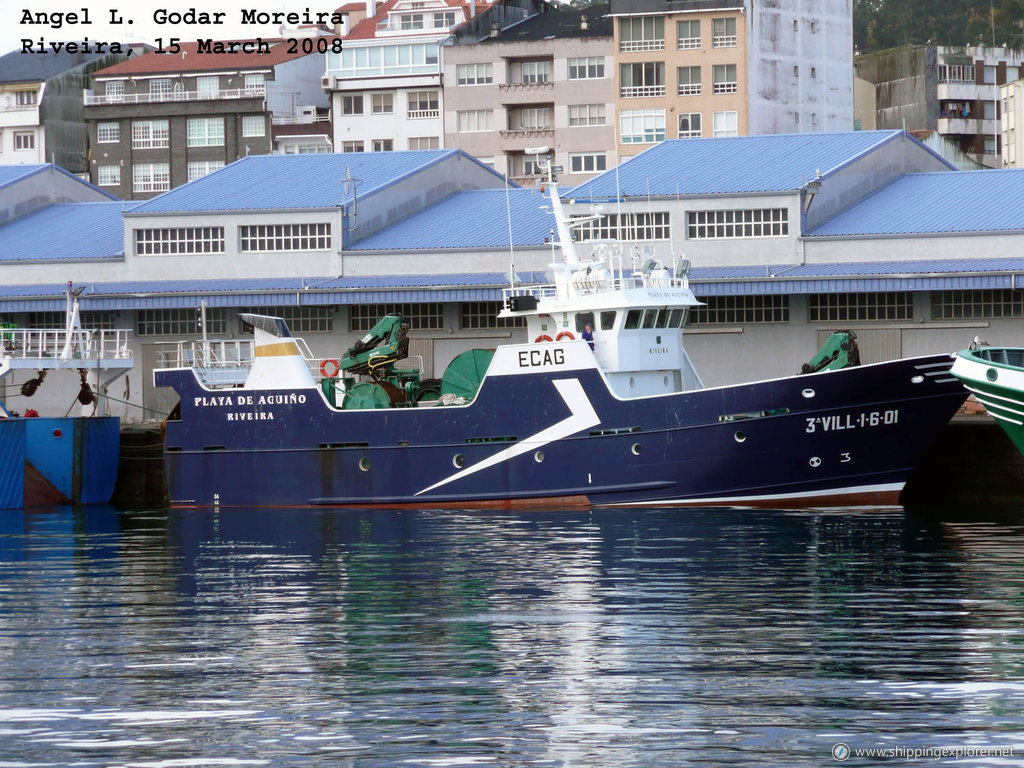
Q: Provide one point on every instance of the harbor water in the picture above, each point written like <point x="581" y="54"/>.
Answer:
<point x="633" y="637"/>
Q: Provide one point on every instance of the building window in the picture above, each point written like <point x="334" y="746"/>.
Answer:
<point x="254" y="126"/>
<point x="255" y="84"/>
<point x="312" y="148"/>
<point x="650" y="225"/>
<point x="535" y="71"/>
<point x="385" y="61"/>
<point x="160" y="89"/>
<point x="275" y="238"/>
<point x="352" y="104"/>
<point x="423" y="104"/>
<point x="382" y="145"/>
<point x="409" y="21"/>
<point x="150" y="134"/>
<point x="536" y="118"/>
<point x="151" y="177"/>
<point x="474" y="74"/>
<point x="586" y="68"/>
<point x="724" y="77"/>
<point x="206" y="132"/>
<point x="688" y="81"/>
<point x="109" y="175"/>
<point x="957" y="73"/>
<point x="475" y="315"/>
<point x="980" y="305"/>
<point x="688" y="35"/>
<point x="758" y="222"/>
<point x="108" y="133"/>
<point x="689" y="125"/>
<point x="586" y="114"/>
<point x="114" y="90"/>
<point x="444" y="20"/>
<point x="420" y="317"/>
<point x="642" y="79"/>
<point x="92" y="320"/>
<point x="424" y="142"/>
<point x="353" y="146"/>
<point x="24" y="140"/>
<point x="723" y="33"/>
<point x="171" y="241"/>
<point x="642" y="33"/>
<point x="587" y="162"/>
<point x="642" y="126"/>
<point x="733" y="310"/>
<point x="299" y="319"/>
<point x="475" y="120"/>
<point x="725" y="124"/>
<point x="382" y="103"/>
<point x="26" y="98"/>
<point x="843" y="307"/>
<point x="208" y="86"/>
<point x="199" y="168"/>
<point x="180" y="322"/>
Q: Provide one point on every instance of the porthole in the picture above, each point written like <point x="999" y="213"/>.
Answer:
<point x="364" y="464"/>
<point x="636" y="449"/>
<point x="808" y="393"/>
<point x="740" y="437"/>
<point x="538" y="456"/>
<point x="991" y="374"/>
<point x="459" y="460"/>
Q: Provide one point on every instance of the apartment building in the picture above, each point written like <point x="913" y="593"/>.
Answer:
<point x="158" y="121"/>
<point x="952" y="90"/>
<point x="547" y="81"/>
<point x="41" y="107"/>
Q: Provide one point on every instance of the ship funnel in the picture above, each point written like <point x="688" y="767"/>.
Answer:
<point x="277" y="361"/>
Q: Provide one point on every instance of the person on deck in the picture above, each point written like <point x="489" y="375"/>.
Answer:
<point x="588" y="336"/>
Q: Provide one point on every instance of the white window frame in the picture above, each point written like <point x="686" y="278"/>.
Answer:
<point x="685" y="85"/>
<point x="114" y="90"/>
<point x="641" y="126"/>
<point x="205" y="132"/>
<point x="178" y="241"/>
<point x="255" y="84"/>
<point x="279" y="238"/>
<point x="691" y="40"/>
<point x="474" y="120"/>
<point x="424" y="142"/>
<point x="734" y="224"/>
<point x="536" y="118"/>
<point x="353" y="146"/>
<point x="150" y="134"/>
<point x="685" y="125"/>
<point x="254" y="126"/>
<point x="108" y="133"/>
<point x="725" y="124"/>
<point x="199" y="168"/>
<point x="642" y="33"/>
<point x="588" y="162"/>
<point x="586" y="114"/>
<point x="586" y="68"/>
<point x="382" y="145"/>
<point x="382" y="103"/>
<point x="423" y="104"/>
<point x="641" y="79"/>
<point x="535" y="71"/>
<point x="161" y="89"/>
<point x="352" y="104"/>
<point x="724" y="78"/>
<point x="151" y="177"/>
<point x="108" y="175"/>
<point x="24" y="141"/>
<point x="723" y="32"/>
<point x="207" y="86"/>
<point x="474" y="74"/>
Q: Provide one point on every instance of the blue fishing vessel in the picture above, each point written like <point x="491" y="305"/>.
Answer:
<point x="614" y="418"/>
<point x="48" y="459"/>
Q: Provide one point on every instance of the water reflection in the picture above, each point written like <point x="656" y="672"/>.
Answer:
<point x="607" y="638"/>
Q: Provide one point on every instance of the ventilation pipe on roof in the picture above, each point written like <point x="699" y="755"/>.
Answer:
<point x="371" y="8"/>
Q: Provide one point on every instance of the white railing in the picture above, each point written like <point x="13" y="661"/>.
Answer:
<point x="626" y="46"/>
<point x="92" y="99"/>
<point x="640" y="91"/>
<point x="416" y="114"/>
<point x="53" y="345"/>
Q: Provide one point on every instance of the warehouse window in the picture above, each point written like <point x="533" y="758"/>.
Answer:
<point x="759" y="222"/>
<point x="842" y="307"/>
<point x="426" y="316"/>
<point x="266" y="238"/>
<point x="484" y="314"/>
<point x="732" y="310"/>
<point x="180" y="322"/>
<point x="179" y="240"/>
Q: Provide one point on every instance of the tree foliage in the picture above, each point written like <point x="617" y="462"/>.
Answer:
<point x="881" y="24"/>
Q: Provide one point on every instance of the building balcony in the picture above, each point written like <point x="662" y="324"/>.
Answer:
<point x="422" y="114"/>
<point x="642" y="91"/>
<point x="525" y="87"/>
<point x="962" y="91"/>
<point x="92" y="99"/>
<point x="967" y="126"/>
<point x="521" y="139"/>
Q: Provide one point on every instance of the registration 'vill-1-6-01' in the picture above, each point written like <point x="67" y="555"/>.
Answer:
<point x="622" y="418"/>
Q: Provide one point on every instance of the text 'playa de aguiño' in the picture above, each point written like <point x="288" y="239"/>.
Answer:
<point x="188" y="17"/>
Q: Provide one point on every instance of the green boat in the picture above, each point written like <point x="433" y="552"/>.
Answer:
<point x="995" y="376"/>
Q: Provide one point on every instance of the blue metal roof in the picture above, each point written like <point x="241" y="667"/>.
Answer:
<point x="471" y="219"/>
<point x="73" y="232"/>
<point x="271" y="182"/>
<point x="923" y="203"/>
<point x="732" y="165"/>
<point x="12" y="173"/>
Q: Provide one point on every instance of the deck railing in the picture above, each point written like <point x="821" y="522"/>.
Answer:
<point x="41" y="345"/>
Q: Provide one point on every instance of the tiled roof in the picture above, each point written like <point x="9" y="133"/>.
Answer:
<point x="734" y="165"/>
<point x="74" y="232"/>
<point x="443" y="226"/>
<point x="271" y="182"/>
<point x="367" y="28"/>
<point x="925" y="203"/>
<point x="190" y="60"/>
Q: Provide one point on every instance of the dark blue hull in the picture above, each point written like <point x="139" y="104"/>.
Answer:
<point x="849" y="436"/>
<point x="69" y="460"/>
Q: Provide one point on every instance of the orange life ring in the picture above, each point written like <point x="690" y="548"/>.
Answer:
<point x="565" y="335"/>
<point x="332" y="374"/>
<point x="542" y="337"/>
